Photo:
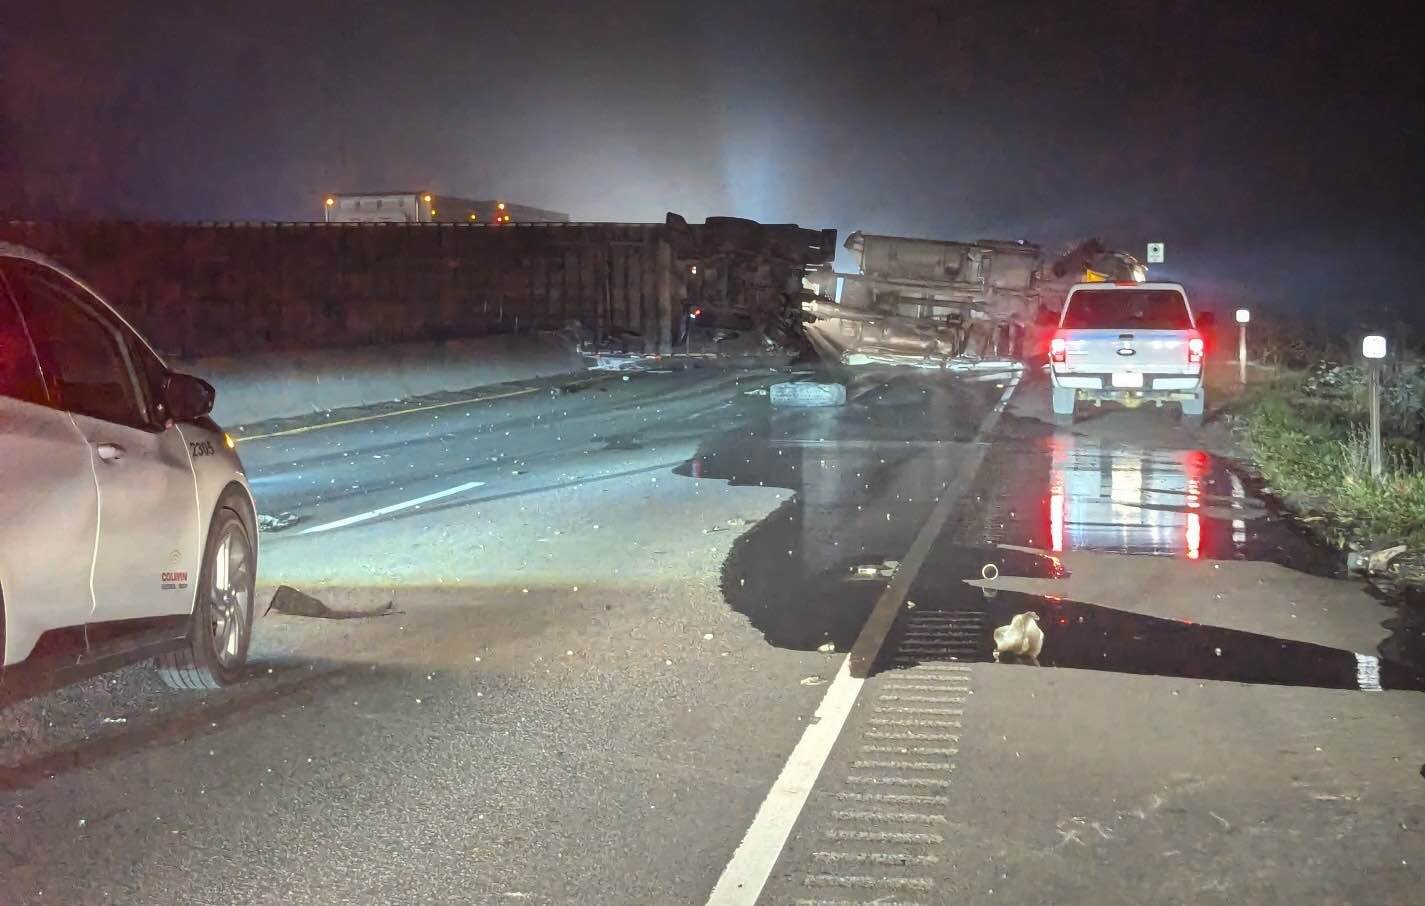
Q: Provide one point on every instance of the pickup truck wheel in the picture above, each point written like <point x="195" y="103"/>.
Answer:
<point x="1063" y="404"/>
<point x="221" y="628"/>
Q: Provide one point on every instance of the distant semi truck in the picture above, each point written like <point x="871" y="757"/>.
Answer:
<point x="427" y="207"/>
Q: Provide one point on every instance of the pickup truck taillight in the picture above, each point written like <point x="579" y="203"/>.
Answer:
<point x="1058" y="349"/>
<point x="1195" y="350"/>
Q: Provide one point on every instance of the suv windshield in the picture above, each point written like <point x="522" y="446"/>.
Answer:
<point x="1145" y="309"/>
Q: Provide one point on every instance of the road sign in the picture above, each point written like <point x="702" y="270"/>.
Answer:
<point x="1155" y="253"/>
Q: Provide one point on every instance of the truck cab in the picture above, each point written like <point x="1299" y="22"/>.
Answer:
<point x="1127" y="342"/>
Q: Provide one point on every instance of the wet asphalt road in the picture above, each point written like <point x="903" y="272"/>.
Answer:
<point x="603" y="645"/>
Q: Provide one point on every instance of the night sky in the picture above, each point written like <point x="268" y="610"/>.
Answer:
<point x="1277" y="154"/>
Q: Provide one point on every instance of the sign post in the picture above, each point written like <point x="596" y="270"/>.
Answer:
<point x="1155" y="252"/>
<point x="1243" y="316"/>
<point x="1373" y="348"/>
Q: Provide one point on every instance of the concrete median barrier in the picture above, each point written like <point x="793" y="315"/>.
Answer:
<point x="258" y="387"/>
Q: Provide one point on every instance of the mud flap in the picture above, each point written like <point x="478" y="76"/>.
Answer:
<point x="1197" y="404"/>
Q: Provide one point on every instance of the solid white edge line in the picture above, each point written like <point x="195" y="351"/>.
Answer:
<point x="393" y="508"/>
<point x="743" y="878"/>
<point x="752" y="862"/>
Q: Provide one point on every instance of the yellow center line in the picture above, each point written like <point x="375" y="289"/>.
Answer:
<point x="371" y="418"/>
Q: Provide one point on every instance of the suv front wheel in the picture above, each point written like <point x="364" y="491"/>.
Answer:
<point x="221" y="628"/>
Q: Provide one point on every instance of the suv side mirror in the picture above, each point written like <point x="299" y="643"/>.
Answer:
<point x="187" y="397"/>
<point x="1206" y="319"/>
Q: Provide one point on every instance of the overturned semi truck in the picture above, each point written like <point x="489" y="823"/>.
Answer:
<point x="923" y="302"/>
<point x="944" y="304"/>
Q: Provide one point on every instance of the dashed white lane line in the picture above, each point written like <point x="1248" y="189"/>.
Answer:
<point x="752" y="862"/>
<point x="393" y="508"/>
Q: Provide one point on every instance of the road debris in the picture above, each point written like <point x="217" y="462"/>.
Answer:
<point x="268" y="522"/>
<point x="883" y="570"/>
<point x="621" y="363"/>
<point x="288" y="600"/>
<point x="828" y="648"/>
<point x="812" y="681"/>
<point x="1022" y="637"/>
<point x="807" y="394"/>
<point x="1370" y="562"/>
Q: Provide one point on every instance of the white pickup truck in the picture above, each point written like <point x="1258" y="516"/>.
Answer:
<point x="1127" y="342"/>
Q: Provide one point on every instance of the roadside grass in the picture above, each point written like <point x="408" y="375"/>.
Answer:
<point x="1310" y="442"/>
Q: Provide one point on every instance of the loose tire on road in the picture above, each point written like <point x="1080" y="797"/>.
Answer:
<point x="221" y="627"/>
<point x="1063" y="404"/>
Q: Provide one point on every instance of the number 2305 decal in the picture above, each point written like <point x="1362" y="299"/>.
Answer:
<point x="201" y="448"/>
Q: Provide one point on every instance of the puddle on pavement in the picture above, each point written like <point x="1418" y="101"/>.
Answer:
<point x="1407" y="630"/>
<point x="1062" y="491"/>
<point x="864" y="477"/>
<point x="956" y="621"/>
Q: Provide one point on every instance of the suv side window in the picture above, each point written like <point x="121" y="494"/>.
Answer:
<point x="83" y="356"/>
<point x="19" y="372"/>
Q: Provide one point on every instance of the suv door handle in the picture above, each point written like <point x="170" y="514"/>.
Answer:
<point x="109" y="452"/>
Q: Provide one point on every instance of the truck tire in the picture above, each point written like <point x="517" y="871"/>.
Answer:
<point x="221" y="627"/>
<point x="1063" y="404"/>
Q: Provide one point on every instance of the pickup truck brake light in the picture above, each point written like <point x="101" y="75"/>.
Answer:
<point x="1195" y="350"/>
<point x="1058" y="349"/>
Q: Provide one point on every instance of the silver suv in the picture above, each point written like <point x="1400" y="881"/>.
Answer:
<point x="127" y="529"/>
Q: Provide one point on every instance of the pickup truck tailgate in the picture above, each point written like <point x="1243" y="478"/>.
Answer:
<point x="1100" y="351"/>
